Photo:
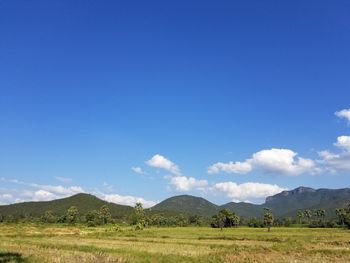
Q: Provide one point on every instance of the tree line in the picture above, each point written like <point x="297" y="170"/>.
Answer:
<point x="223" y="219"/>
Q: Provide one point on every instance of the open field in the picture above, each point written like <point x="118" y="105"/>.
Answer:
<point x="43" y="243"/>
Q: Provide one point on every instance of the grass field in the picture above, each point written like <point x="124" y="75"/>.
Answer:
<point x="40" y="243"/>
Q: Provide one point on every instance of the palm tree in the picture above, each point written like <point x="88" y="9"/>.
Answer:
<point x="341" y="214"/>
<point x="268" y="218"/>
<point x="300" y="214"/>
<point x="308" y="214"/>
<point x="322" y="214"/>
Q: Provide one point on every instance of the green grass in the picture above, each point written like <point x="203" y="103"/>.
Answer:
<point x="56" y="243"/>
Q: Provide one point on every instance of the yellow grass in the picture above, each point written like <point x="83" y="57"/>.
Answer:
<point x="57" y="243"/>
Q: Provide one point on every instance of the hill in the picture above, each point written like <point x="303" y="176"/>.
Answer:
<point x="187" y="204"/>
<point x="84" y="202"/>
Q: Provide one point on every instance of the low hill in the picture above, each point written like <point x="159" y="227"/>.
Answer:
<point x="84" y="202"/>
<point x="187" y="204"/>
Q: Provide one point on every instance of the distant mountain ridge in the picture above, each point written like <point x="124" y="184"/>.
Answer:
<point x="287" y="203"/>
<point x="284" y="204"/>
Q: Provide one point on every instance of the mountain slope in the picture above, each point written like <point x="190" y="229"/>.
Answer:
<point x="187" y="204"/>
<point x="287" y="203"/>
<point x="84" y="202"/>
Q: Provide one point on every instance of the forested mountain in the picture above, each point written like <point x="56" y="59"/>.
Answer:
<point x="84" y="203"/>
<point x="284" y="204"/>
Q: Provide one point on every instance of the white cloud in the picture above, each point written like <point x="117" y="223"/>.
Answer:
<point x="159" y="161"/>
<point x="231" y="167"/>
<point x="246" y="191"/>
<point x="38" y="192"/>
<point x="280" y="161"/>
<point x="42" y="195"/>
<point x="283" y="161"/>
<point x="59" y="190"/>
<point x="138" y="170"/>
<point x="345" y="114"/>
<point x="184" y="184"/>
<point x="340" y="161"/>
<point x="335" y="162"/>
<point x="128" y="200"/>
<point x="343" y="142"/>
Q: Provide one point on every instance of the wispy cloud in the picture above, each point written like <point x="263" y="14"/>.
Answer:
<point x="64" y="180"/>
<point x="138" y="170"/>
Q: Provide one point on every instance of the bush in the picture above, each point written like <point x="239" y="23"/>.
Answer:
<point x="254" y="222"/>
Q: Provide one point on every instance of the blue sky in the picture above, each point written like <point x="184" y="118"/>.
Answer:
<point x="229" y="100"/>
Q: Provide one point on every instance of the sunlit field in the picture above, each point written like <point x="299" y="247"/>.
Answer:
<point x="43" y="243"/>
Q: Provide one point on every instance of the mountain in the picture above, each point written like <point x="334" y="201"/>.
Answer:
<point x="287" y="203"/>
<point x="187" y="204"/>
<point x="197" y="205"/>
<point x="84" y="202"/>
<point x="284" y="204"/>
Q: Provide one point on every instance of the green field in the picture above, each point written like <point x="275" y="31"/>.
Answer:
<point x="57" y="243"/>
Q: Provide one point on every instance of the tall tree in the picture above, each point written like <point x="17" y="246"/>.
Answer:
<point x="105" y="214"/>
<point x="308" y="214"/>
<point x="140" y="216"/>
<point x="49" y="217"/>
<point x="341" y="214"/>
<point x="320" y="214"/>
<point x="72" y="215"/>
<point x="225" y="218"/>
<point x="300" y="215"/>
<point x="268" y="218"/>
<point x="92" y="218"/>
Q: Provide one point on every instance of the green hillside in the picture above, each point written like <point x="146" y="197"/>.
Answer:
<point x="287" y="203"/>
<point x="84" y="202"/>
<point x="188" y="204"/>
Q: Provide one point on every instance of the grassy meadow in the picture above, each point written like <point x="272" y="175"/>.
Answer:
<point x="56" y="243"/>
